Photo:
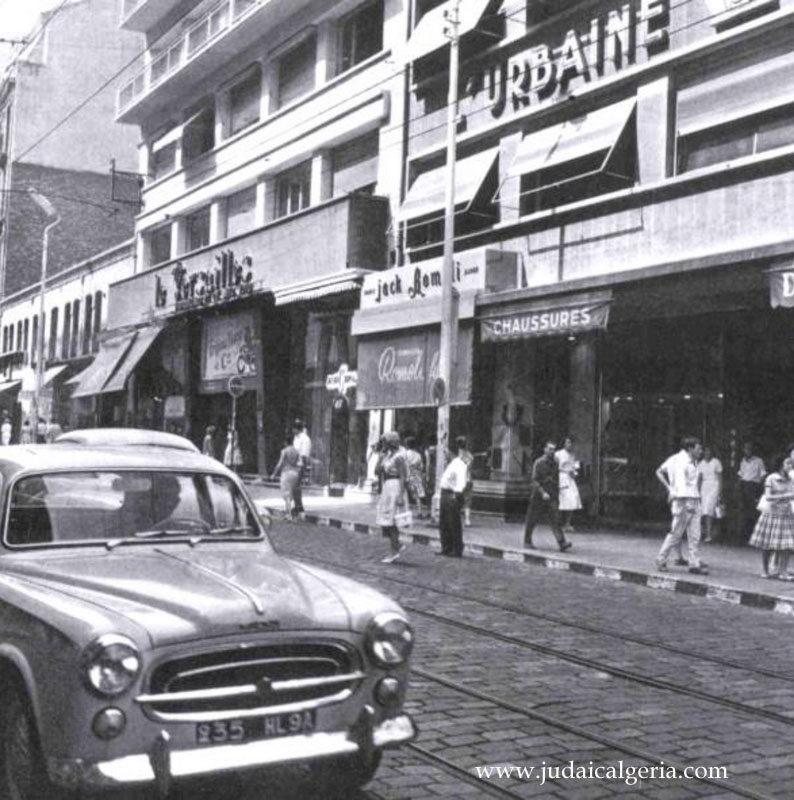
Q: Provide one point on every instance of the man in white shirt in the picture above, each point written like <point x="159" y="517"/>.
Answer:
<point x="752" y="472"/>
<point x="679" y="475"/>
<point x="453" y="482"/>
<point x="5" y="429"/>
<point x="303" y="444"/>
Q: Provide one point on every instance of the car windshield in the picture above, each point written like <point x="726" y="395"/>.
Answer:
<point x="106" y="506"/>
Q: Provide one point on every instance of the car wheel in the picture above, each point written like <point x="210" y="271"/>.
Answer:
<point x="22" y="769"/>
<point x="340" y="776"/>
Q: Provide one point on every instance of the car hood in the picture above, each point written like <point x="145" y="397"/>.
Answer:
<point x="178" y="594"/>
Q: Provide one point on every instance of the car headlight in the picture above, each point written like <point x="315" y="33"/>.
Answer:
<point x="111" y="664"/>
<point x="390" y="639"/>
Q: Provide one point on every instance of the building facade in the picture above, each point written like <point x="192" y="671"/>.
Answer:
<point x="57" y="136"/>
<point x="76" y="319"/>
<point x="272" y="148"/>
<point x="637" y="160"/>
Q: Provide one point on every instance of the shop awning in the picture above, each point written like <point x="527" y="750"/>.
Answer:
<point x="426" y="194"/>
<point x="429" y="35"/>
<point x="545" y="316"/>
<point x="51" y="373"/>
<point x="143" y="341"/>
<point x="420" y="312"/>
<point x="110" y="353"/>
<point x="596" y="133"/>
<point x="345" y="281"/>
<point x="9" y="386"/>
<point x="733" y="95"/>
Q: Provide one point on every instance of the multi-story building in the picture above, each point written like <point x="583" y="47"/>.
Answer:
<point x="76" y="318"/>
<point x="272" y="148"/>
<point x="636" y="158"/>
<point x="57" y="136"/>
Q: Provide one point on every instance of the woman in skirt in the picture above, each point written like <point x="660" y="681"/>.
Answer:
<point x="570" y="500"/>
<point x="774" y="531"/>
<point x="393" y="471"/>
<point x="289" y="467"/>
<point x="416" y="475"/>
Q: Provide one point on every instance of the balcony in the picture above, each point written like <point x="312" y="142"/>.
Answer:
<point x="176" y="61"/>
<point x="316" y="246"/>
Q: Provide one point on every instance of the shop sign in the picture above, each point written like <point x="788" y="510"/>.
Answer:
<point x="342" y="381"/>
<point x="174" y="406"/>
<point x="781" y="288"/>
<point x="472" y="271"/>
<point x="230" y="279"/>
<point x="398" y="371"/>
<point x="229" y="346"/>
<point x="584" y="53"/>
<point x="569" y="320"/>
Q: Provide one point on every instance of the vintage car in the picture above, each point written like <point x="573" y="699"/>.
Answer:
<point x="149" y="633"/>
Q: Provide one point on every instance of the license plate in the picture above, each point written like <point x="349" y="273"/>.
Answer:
<point x="234" y="731"/>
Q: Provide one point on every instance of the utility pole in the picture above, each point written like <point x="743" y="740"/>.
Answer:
<point x="449" y="315"/>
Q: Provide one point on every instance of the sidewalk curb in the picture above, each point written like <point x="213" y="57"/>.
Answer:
<point x="651" y="580"/>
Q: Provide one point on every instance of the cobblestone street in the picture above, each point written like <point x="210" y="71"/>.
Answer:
<point x="521" y="666"/>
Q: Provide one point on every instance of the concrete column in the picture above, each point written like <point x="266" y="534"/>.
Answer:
<point x="218" y="220"/>
<point x="178" y="237"/>
<point x="325" y="67"/>
<point x="269" y="87"/>
<point x="266" y="192"/>
<point x="144" y="154"/>
<point x="222" y="116"/>
<point x="140" y="253"/>
<point x="655" y="133"/>
<point x="510" y="188"/>
<point x="582" y="398"/>
<point x="322" y="178"/>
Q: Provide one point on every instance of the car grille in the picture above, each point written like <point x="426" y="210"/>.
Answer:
<point x="245" y="681"/>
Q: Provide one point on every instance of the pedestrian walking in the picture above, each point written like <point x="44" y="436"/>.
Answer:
<point x="544" y="497"/>
<point x="393" y="471"/>
<point x="752" y="472"/>
<point x="710" y="471"/>
<point x="452" y="486"/>
<point x="570" y="499"/>
<point x="679" y="475"/>
<point x="289" y="465"/>
<point x="5" y="429"/>
<point x="232" y="456"/>
<point x="303" y="444"/>
<point x="416" y="476"/>
<point x="208" y="445"/>
<point x="774" y="532"/>
<point x="468" y="492"/>
<point x="26" y="434"/>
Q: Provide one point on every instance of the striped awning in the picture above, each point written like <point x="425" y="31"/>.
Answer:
<point x="345" y="281"/>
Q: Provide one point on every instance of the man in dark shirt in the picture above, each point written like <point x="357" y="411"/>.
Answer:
<point x="545" y="495"/>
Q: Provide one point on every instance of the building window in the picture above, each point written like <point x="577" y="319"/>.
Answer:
<point x="197" y="230"/>
<point x="198" y="132"/>
<point x="158" y="245"/>
<point x="10" y="338"/>
<point x="362" y="35"/>
<point x="97" y="321"/>
<point x="67" y="330"/>
<point x="355" y="165"/>
<point x="87" y="324"/>
<point x="19" y="335"/>
<point x="292" y="189"/>
<point x="25" y="339"/>
<point x="244" y="101"/>
<point x="746" y="137"/>
<point x="296" y="71"/>
<point x="163" y="161"/>
<point x="241" y="212"/>
<point x="75" y="329"/>
<point x="53" y="334"/>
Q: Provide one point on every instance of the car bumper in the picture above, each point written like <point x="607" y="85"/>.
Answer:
<point x="162" y="765"/>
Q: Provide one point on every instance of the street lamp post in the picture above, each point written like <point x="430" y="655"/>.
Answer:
<point x="54" y="219"/>
<point x="449" y="316"/>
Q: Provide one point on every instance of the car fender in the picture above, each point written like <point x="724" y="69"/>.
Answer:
<point x="13" y="656"/>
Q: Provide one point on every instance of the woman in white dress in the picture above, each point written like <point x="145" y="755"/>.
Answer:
<point x="570" y="500"/>
<point x="710" y="471"/>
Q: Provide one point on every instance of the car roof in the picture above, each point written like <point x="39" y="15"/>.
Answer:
<point x="77" y="457"/>
<point x="126" y="437"/>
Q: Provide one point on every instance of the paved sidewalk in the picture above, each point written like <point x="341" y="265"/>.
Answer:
<point x="615" y="555"/>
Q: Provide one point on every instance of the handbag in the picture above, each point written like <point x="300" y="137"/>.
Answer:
<point x="404" y="519"/>
<point x="719" y="510"/>
<point x="763" y="505"/>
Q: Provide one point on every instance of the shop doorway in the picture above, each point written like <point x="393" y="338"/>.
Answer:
<point x="216" y="409"/>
